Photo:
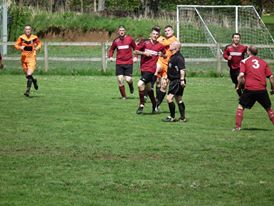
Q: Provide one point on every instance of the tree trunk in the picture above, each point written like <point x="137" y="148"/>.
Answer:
<point x="101" y="5"/>
<point x="94" y="6"/>
<point x="82" y="6"/>
<point x="154" y="8"/>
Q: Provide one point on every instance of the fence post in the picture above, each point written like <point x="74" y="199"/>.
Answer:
<point x="104" y="65"/>
<point x="46" y="57"/>
<point x="219" y="66"/>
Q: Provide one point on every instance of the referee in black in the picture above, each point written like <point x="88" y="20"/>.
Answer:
<point x="176" y="74"/>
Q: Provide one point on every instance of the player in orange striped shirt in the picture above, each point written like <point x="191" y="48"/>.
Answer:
<point x="162" y="64"/>
<point x="28" y="44"/>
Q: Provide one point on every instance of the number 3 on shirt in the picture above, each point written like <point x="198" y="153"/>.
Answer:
<point x="255" y="64"/>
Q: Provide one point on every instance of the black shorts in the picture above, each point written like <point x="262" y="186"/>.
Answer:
<point x="124" y="69"/>
<point x="175" y="88"/>
<point x="248" y="99"/>
<point x="147" y="77"/>
<point x="234" y="73"/>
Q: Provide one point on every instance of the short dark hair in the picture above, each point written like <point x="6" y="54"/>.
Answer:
<point x="168" y="26"/>
<point x="238" y="34"/>
<point x="253" y="50"/>
<point x="156" y="28"/>
<point x="121" y="27"/>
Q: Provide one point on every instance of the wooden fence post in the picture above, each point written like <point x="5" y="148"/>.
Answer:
<point x="46" y="57"/>
<point x="219" y="66"/>
<point x="104" y="63"/>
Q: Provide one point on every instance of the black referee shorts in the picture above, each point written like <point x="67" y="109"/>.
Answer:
<point x="175" y="88"/>
<point x="249" y="98"/>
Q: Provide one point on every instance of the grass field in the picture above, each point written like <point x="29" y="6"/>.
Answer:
<point x="76" y="143"/>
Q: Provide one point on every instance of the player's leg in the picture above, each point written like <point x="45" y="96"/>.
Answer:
<point x="128" y="77"/>
<point x="32" y="66"/>
<point x="151" y="96"/>
<point x="234" y="73"/>
<point x="172" y="89"/>
<point x="120" y="80"/>
<point x="162" y="91"/>
<point x="29" y="78"/>
<point x="246" y="100"/>
<point x="239" y="118"/>
<point x="181" y="104"/>
<point x="158" y="76"/>
<point x="264" y="100"/>
<point x="141" y="89"/>
<point x="171" y="107"/>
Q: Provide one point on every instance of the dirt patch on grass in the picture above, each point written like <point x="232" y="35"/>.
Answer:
<point x="55" y="34"/>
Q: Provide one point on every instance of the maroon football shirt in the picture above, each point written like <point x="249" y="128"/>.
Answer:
<point x="149" y="63"/>
<point x="124" y="48"/>
<point x="255" y="72"/>
<point x="237" y="53"/>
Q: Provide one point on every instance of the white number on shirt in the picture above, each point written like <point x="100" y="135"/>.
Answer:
<point x="255" y="64"/>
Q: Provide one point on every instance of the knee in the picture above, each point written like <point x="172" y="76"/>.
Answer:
<point x="141" y="84"/>
<point x="169" y="99"/>
<point x="128" y="79"/>
<point x="164" y="84"/>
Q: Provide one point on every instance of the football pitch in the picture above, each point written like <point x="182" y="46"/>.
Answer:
<point x="75" y="142"/>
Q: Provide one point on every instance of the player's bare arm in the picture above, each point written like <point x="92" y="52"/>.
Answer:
<point x="240" y="81"/>
<point x="182" y="79"/>
<point x="145" y="53"/>
<point x="271" y="79"/>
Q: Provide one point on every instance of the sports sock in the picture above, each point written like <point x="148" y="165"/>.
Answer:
<point x="131" y="88"/>
<point x="29" y="81"/>
<point x="171" y="106"/>
<point x="160" y="97"/>
<point x="182" y="109"/>
<point x="122" y="91"/>
<point x="141" y="97"/>
<point x="239" y="117"/>
<point x="157" y="93"/>
<point x="270" y="113"/>
<point x="152" y="98"/>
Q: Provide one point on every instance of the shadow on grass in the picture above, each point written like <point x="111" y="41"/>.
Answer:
<point x="128" y="98"/>
<point x="255" y="129"/>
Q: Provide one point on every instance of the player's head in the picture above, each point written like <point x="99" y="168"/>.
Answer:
<point x="236" y="37"/>
<point x="121" y="31"/>
<point x="175" y="46"/>
<point x="155" y="33"/>
<point x="169" y="31"/>
<point x="27" y="30"/>
<point x="252" y="50"/>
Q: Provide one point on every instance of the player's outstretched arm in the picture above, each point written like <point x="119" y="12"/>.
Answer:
<point x="271" y="79"/>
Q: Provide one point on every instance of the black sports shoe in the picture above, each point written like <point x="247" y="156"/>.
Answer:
<point x="35" y="84"/>
<point x="26" y="93"/>
<point x="182" y="119"/>
<point x="140" y="110"/>
<point x="169" y="119"/>
<point x="131" y="89"/>
<point x="155" y="110"/>
<point x="236" y="129"/>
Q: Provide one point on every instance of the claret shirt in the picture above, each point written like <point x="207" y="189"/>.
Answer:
<point x="149" y="63"/>
<point x="124" y="47"/>
<point x="237" y="53"/>
<point x="255" y="72"/>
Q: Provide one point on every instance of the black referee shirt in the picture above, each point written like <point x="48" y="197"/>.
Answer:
<point x="175" y="65"/>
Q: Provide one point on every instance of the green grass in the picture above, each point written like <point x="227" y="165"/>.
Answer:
<point x="76" y="143"/>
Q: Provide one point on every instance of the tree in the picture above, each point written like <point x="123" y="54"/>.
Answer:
<point x="101" y="5"/>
